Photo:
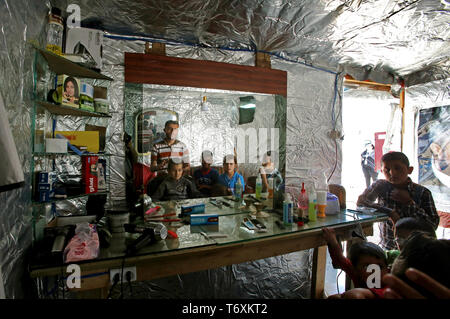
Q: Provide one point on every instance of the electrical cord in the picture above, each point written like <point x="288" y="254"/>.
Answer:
<point x="116" y="279"/>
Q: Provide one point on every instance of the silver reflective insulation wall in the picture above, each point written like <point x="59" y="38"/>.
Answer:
<point x="380" y="40"/>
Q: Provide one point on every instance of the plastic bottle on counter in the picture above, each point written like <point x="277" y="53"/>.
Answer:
<point x="303" y="202"/>
<point x="312" y="202"/>
<point x="55" y="30"/>
<point x="238" y="191"/>
<point x="288" y="209"/>
<point x="322" y="190"/>
<point x="270" y="187"/>
<point x="258" y="187"/>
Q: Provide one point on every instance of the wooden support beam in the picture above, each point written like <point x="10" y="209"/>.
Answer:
<point x="164" y="70"/>
<point x="262" y="60"/>
<point x="155" y="48"/>
<point x="402" y="107"/>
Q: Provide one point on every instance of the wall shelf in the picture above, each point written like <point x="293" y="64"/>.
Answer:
<point x="67" y="110"/>
<point x="61" y="65"/>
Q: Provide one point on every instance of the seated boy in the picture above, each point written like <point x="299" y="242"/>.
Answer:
<point x="176" y="186"/>
<point x="205" y="177"/>
<point x="427" y="254"/>
<point x="268" y="170"/>
<point x="398" y="196"/>
<point x="422" y="255"/>
<point x="361" y="255"/>
<point x="229" y="178"/>
<point x="403" y="228"/>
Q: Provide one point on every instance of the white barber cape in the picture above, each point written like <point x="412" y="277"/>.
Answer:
<point x="11" y="174"/>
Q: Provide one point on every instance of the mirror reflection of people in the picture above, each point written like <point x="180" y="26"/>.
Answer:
<point x="230" y="176"/>
<point x="268" y="170"/>
<point x="175" y="186"/>
<point x="206" y="176"/>
<point x="368" y="163"/>
<point x="71" y="91"/>
<point x="169" y="147"/>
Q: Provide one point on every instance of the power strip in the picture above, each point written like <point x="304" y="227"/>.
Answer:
<point x="114" y="272"/>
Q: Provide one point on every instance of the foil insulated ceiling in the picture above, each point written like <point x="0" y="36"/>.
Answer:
<point x="384" y="40"/>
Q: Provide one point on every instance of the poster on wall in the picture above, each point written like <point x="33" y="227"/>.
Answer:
<point x="434" y="153"/>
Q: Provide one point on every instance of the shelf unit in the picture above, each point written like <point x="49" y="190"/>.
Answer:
<point x="58" y="65"/>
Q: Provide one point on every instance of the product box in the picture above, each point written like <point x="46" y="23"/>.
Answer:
<point x="87" y="97"/>
<point x="101" y="171"/>
<point x="85" y="40"/>
<point x="55" y="145"/>
<point x="90" y="139"/>
<point x="192" y="209"/>
<point x="204" y="219"/>
<point x="89" y="175"/>
<point x="68" y="90"/>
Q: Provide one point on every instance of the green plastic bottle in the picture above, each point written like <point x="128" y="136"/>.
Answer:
<point x="258" y="187"/>
<point x="312" y="213"/>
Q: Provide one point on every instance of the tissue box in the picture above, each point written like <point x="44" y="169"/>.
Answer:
<point x="89" y="40"/>
<point x="204" y="219"/>
<point x="55" y="145"/>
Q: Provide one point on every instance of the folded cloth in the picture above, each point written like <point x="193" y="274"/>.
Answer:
<point x="84" y="245"/>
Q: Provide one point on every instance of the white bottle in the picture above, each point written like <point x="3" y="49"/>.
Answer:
<point x="288" y="209"/>
<point x="322" y="190"/>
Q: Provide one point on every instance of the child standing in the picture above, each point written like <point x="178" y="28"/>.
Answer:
<point x="398" y="196"/>
<point x="176" y="186"/>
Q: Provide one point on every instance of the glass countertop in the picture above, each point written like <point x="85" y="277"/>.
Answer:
<point x="230" y="229"/>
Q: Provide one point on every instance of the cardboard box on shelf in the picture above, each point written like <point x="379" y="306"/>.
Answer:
<point x="89" y="173"/>
<point x="55" y="145"/>
<point x="85" y="41"/>
<point x="68" y="90"/>
<point x="90" y="139"/>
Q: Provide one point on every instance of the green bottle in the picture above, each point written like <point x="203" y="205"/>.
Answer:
<point x="312" y="213"/>
<point x="258" y="187"/>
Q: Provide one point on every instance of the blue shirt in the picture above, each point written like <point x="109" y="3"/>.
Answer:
<point x="230" y="183"/>
<point x="210" y="178"/>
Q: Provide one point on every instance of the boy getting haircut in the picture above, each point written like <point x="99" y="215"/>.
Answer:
<point x="175" y="186"/>
<point x="398" y="197"/>
<point x="427" y="254"/>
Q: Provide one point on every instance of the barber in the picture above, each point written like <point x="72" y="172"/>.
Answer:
<point x="169" y="147"/>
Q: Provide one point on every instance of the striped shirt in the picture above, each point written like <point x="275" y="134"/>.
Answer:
<point x="163" y="151"/>
<point x="422" y="208"/>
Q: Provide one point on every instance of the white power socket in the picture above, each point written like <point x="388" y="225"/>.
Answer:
<point x="113" y="272"/>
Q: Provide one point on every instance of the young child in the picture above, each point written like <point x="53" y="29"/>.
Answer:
<point x="230" y="176"/>
<point x="398" y="196"/>
<point x="205" y="177"/>
<point x="361" y="255"/>
<point x="176" y="186"/>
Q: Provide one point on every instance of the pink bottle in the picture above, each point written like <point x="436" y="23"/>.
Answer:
<point x="303" y="202"/>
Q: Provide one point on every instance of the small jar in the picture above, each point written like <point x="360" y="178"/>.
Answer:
<point x="101" y="105"/>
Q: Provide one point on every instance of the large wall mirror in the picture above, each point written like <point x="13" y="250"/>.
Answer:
<point x="240" y="120"/>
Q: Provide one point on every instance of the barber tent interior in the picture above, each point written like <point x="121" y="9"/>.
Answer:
<point x="320" y="44"/>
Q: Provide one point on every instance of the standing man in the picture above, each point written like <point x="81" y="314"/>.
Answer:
<point x="368" y="163"/>
<point x="169" y="148"/>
